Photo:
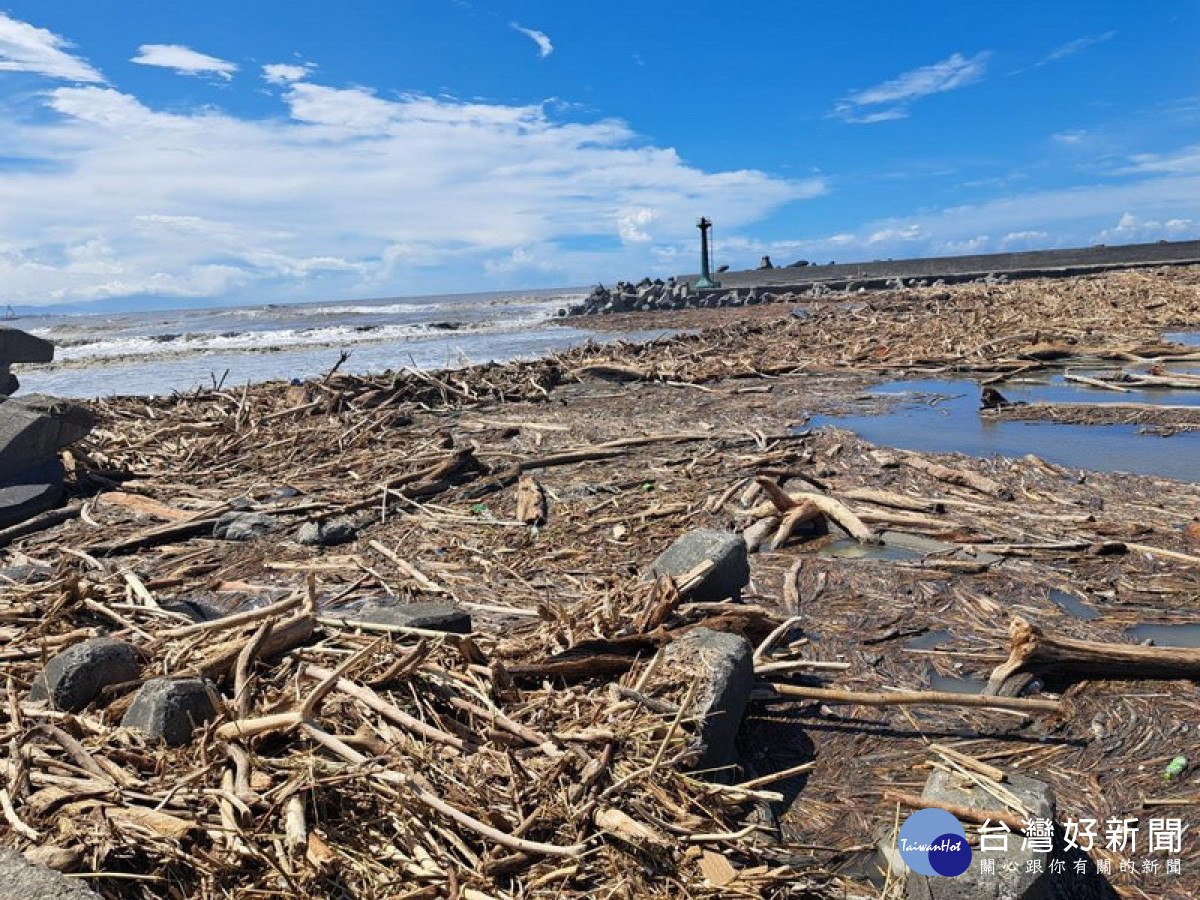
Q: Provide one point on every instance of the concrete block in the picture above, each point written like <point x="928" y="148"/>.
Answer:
<point x="74" y="677"/>
<point x="723" y="663"/>
<point x="36" y="427"/>
<point x="18" y="346"/>
<point x="168" y="709"/>
<point x="25" y="880"/>
<point x="32" y="490"/>
<point x="433" y="616"/>
<point x="727" y="551"/>
<point x="942" y="787"/>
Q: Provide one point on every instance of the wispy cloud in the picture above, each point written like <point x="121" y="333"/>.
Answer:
<point x="545" y="47"/>
<point x="1072" y="47"/>
<point x="184" y="60"/>
<point x="1185" y="161"/>
<point x="26" y="48"/>
<point x="1070" y="138"/>
<point x="891" y="99"/>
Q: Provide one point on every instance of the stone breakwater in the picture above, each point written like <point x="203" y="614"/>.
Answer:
<point x="656" y="294"/>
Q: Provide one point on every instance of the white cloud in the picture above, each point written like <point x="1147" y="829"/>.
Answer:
<point x="286" y="73"/>
<point x="978" y="244"/>
<point x="895" y="234"/>
<point x="1070" y="138"/>
<point x="184" y="60"/>
<point x="1131" y="229"/>
<point x="631" y="225"/>
<point x="897" y="93"/>
<point x="1072" y="47"/>
<point x="350" y="193"/>
<point x="545" y="47"/>
<point x="1024" y="240"/>
<point x="26" y="48"/>
<point x="1163" y="204"/>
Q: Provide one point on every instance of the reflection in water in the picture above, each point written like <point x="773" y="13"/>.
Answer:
<point x="1074" y="606"/>
<point x="953" y="425"/>
<point x="1167" y="635"/>
<point x="847" y="548"/>
<point x="929" y="640"/>
<point x="955" y="685"/>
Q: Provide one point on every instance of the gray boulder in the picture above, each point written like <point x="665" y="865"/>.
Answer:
<point x="35" y="428"/>
<point x="167" y="709"/>
<point x="75" y="677"/>
<point x="328" y="533"/>
<point x="431" y="616"/>
<point x="727" y="551"/>
<point x="722" y="663"/>
<point x="243" y="526"/>
<point x="25" y="880"/>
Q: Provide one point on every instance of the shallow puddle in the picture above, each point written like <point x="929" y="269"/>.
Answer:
<point x="1167" y="635"/>
<point x="1074" y="606"/>
<point x="942" y="416"/>
<point x="929" y="640"/>
<point x="954" y="685"/>
<point x="847" y="548"/>
<point x="1187" y="338"/>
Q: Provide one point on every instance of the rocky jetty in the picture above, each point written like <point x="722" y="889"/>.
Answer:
<point x="656" y="294"/>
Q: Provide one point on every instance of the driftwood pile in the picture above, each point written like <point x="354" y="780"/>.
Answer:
<point x="528" y="759"/>
<point x="373" y="761"/>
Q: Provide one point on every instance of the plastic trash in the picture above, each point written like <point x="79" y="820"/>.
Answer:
<point x="1175" y="768"/>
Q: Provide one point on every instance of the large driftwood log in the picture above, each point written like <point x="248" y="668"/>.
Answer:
<point x="803" y="506"/>
<point x="1030" y="648"/>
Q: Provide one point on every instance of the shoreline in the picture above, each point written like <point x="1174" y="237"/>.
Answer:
<point x="632" y="445"/>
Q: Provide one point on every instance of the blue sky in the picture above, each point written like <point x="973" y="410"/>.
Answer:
<point x="182" y="154"/>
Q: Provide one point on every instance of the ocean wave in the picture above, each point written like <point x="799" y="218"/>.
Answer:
<point x="336" y="309"/>
<point x="188" y="343"/>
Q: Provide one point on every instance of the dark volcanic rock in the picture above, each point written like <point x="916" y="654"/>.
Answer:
<point x="18" y="346"/>
<point x="432" y="616"/>
<point x="75" y="677"/>
<point x="327" y="533"/>
<point x="169" y="710"/>
<point x="243" y="526"/>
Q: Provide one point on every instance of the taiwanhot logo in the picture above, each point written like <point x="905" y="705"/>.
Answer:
<point x="933" y="842"/>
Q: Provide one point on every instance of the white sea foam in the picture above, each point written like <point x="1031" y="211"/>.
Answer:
<point x="283" y="338"/>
